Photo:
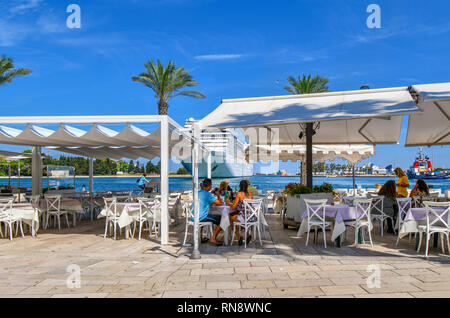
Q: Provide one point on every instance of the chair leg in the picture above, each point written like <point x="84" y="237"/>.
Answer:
<point x="448" y="242"/>
<point x="370" y="237"/>
<point x="114" y="229"/>
<point x="59" y="221"/>
<point x="307" y="237"/>
<point x="10" y="231"/>
<point x="324" y="237"/>
<point x="420" y="242"/>
<point x="259" y="234"/>
<point x="232" y="234"/>
<point x="67" y="220"/>
<point x="185" y="234"/>
<point x="382" y="227"/>
<point x="442" y="242"/>
<point x="426" y="247"/>
<point x="21" y="229"/>
<point x="245" y="237"/>
<point x="356" y="236"/>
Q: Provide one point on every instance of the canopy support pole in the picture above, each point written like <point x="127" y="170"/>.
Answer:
<point x="209" y="164"/>
<point x="164" y="180"/>
<point x="196" y="134"/>
<point x="9" y="174"/>
<point x="91" y="177"/>
<point x="18" y="171"/>
<point x="303" y="170"/>
<point x="309" y="157"/>
<point x="36" y="172"/>
<point x="354" y="181"/>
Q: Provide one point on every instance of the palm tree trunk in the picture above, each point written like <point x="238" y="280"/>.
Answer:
<point x="162" y="107"/>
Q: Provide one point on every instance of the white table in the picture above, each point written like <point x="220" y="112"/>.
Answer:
<point x="28" y="215"/>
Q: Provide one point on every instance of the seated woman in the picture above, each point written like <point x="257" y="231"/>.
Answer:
<point x="389" y="191"/>
<point x="238" y="204"/>
<point x="420" y="190"/>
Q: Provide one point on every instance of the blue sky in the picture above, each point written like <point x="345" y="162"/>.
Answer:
<point x="232" y="48"/>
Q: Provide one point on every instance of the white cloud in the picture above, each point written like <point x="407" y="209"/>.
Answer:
<point x="218" y="57"/>
<point x="21" y="6"/>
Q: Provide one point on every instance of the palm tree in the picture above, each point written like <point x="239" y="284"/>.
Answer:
<point x="167" y="82"/>
<point x="307" y="85"/>
<point x="8" y="72"/>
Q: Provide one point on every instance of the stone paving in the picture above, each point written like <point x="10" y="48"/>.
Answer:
<point x="283" y="267"/>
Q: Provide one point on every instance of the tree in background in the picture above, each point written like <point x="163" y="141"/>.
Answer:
<point x="8" y="71"/>
<point x="307" y="85"/>
<point x="182" y="171"/>
<point x="166" y="82"/>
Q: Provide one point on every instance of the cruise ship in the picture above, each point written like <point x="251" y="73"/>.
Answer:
<point x="228" y="154"/>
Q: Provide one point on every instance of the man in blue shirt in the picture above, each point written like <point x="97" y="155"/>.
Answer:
<point x="142" y="181"/>
<point x="206" y="199"/>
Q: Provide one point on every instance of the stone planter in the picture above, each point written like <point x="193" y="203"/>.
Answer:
<point x="296" y="206"/>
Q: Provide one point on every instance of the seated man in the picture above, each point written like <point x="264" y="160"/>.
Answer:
<point x="206" y="199"/>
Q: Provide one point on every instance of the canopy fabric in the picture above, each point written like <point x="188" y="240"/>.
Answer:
<point x="351" y="153"/>
<point x="10" y="155"/>
<point x="99" y="141"/>
<point x="353" y="117"/>
<point x="432" y="126"/>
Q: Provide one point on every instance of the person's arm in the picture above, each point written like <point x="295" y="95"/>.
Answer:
<point x="215" y="200"/>
<point x="236" y="201"/>
<point x="147" y="181"/>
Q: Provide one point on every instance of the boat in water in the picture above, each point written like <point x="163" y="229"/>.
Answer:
<point x="423" y="169"/>
<point x="228" y="154"/>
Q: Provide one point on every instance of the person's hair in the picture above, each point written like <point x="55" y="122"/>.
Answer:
<point x="206" y="183"/>
<point x="399" y="172"/>
<point x="223" y="186"/>
<point x="144" y="174"/>
<point x="423" y="187"/>
<point x="243" y="186"/>
<point x="248" y="181"/>
<point x="388" y="189"/>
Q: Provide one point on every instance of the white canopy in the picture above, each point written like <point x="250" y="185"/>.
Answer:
<point x="351" y="153"/>
<point x="432" y="126"/>
<point x="353" y="117"/>
<point x="10" y="155"/>
<point x="98" y="142"/>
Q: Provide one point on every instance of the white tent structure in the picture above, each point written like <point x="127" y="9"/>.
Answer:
<point x="353" y="117"/>
<point x="432" y="126"/>
<point x="13" y="156"/>
<point x="101" y="142"/>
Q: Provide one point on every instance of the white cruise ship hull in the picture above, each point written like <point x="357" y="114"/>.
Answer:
<point x="222" y="169"/>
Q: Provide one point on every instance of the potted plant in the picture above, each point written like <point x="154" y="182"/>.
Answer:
<point x="296" y="195"/>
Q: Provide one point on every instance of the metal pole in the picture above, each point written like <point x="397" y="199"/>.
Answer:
<point x="196" y="134"/>
<point x="309" y="158"/>
<point x="9" y="174"/>
<point x="91" y="176"/>
<point x="209" y="163"/>
<point x="354" y="181"/>
<point x="36" y="166"/>
<point x="18" y="171"/>
<point x="164" y="181"/>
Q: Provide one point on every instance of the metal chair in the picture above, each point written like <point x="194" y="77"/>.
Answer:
<point x="437" y="223"/>
<point x="252" y="215"/>
<point x="404" y="205"/>
<point x="54" y="209"/>
<point x="363" y="207"/>
<point x="315" y="210"/>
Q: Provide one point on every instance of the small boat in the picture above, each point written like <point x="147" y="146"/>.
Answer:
<point x="423" y="169"/>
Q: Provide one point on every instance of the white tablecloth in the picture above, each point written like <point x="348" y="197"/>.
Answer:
<point x="415" y="217"/>
<point x="338" y="214"/>
<point x="28" y="215"/>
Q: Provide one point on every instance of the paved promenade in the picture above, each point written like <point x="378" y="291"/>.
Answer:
<point x="38" y="267"/>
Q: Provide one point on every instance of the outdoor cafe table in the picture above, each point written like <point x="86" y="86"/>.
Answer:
<point x="28" y="215"/>
<point x="414" y="218"/>
<point x="337" y="214"/>
<point x="128" y="213"/>
<point x="224" y="211"/>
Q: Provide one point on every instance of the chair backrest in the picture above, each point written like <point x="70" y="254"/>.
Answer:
<point x="363" y="207"/>
<point x="6" y="205"/>
<point x="315" y="209"/>
<point x="438" y="214"/>
<point x="33" y="199"/>
<point x="348" y="200"/>
<point x="145" y="206"/>
<point x="377" y="203"/>
<point x="111" y="205"/>
<point x="404" y="205"/>
<point x="252" y="210"/>
<point x="53" y="202"/>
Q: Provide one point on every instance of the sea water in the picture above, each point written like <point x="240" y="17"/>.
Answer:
<point x="261" y="182"/>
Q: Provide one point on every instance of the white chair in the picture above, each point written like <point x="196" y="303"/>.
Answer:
<point x="146" y="215"/>
<point x="438" y="219"/>
<point x="363" y="207"/>
<point x="348" y="200"/>
<point x="111" y="215"/>
<point x="315" y="213"/>
<point x="8" y="218"/>
<point x="54" y="209"/>
<point x="378" y="211"/>
<point x="269" y="196"/>
<point x="418" y="200"/>
<point x="404" y="205"/>
<point x="189" y="212"/>
<point x="252" y="219"/>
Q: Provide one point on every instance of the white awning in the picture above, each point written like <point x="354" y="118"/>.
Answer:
<point x="351" y="153"/>
<point x="353" y="117"/>
<point x="99" y="141"/>
<point x="10" y="155"/>
<point x="432" y="126"/>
